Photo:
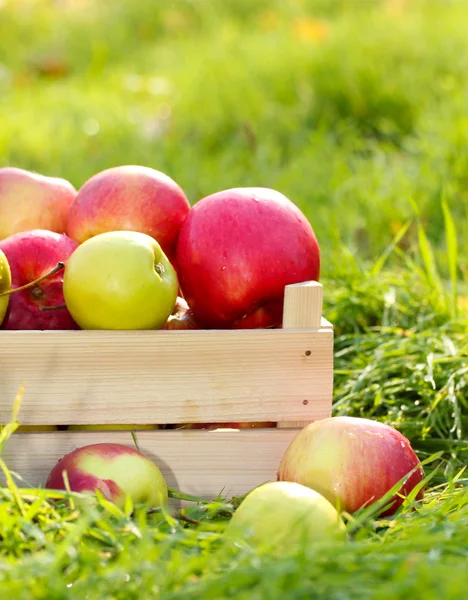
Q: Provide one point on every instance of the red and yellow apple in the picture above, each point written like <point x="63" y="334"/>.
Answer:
<point x="131" y="198"/>
<point x="120" y="280"/>
<point x="116" y="470"/>
<point x="33" y="255"/>
<point x="351" y="461"/>
<point x="237" y="250"/>
<point x="281" y="517"/>
<point x="32" y="201"/>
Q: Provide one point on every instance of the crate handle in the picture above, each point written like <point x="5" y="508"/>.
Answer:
<point x="303" y="305"/>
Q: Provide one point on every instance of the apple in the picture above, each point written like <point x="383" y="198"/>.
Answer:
<point x="130" y="197"/>
<point x="351" y="461"/>
<point x="115" y="470"/>
<point x="32" y="201"/>
<point x="110" y="427"/>
<point x="36" y="428"/>
<point x="36" y="260"/>
<point x="281" y="517"/>
<point x="120" y="280"/>
<point x="237" y="250"/>
<point x="243" y="425"/>
<point x="5" y="284"/>
<point x="182" y="317"/>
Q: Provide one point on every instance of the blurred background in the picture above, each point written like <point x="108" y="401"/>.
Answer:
<point x="355" y="109"/>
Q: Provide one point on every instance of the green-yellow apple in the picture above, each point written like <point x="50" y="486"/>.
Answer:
<point x="5" y="284"/>
<point x="351" y="461"/>
<point x="120" y="280"/>
<point x="281" y="517"/>
<point x="36" y="428"/>
<point x="115" y="470"/>
<point x="32" y="201"/>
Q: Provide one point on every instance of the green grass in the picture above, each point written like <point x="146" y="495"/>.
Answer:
<point x="357" y="111"/>
<point x="350" y="108"/>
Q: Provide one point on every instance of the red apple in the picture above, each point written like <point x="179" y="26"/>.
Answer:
<point x="31" y="255"/>
<point x="131" y="198"/>
<point x="237" y="250"/>
<point x="351" y="461"/>
<point x="182" y="317"/>
<point x="31" y="201"/>
<point x="115" y="470"/>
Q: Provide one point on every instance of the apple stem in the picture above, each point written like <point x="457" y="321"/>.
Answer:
<point x="56" y="307"/>
<point x="58" y="267"/>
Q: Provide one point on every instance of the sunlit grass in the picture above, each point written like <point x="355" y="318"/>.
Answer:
<point x="357" y="111"/>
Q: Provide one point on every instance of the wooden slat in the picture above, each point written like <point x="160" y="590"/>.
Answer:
<point x="201" y="463"/>
<point x="86" y="377"/>
<point x="303" y="310"/>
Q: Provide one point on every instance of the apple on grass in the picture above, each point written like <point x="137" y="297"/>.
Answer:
<point x="37" y="260"/>
<point x="130" y="197"/>
<point x="236" y="252"/>
<point x="281" y="517"/>
<point x="352" y="461"/>
<point x="32" y="201"/>
<point x="120" y="280"/>
<point x="116" y="470"/>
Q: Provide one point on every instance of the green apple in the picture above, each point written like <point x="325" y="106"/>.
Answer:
<point x="281" y="517"/>
<point x="120" y="280"/>
<point x="5" y="284"/>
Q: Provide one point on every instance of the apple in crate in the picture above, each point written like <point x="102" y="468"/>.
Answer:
<point x="237" y="250"/>
<point x="110" y="427"/>
<point x="281" y="517"/>
<point x="116" y="470"/>
<point x="352" y="461"/>
<point x="120" y="280"/>
<point x="230" y="425"/>
<point x="32" y="201"/>
<point x="36" y="261"/>
<point x="130" y="197"/>
<point x="5" y="285"/>
<point x="182" y="317"/>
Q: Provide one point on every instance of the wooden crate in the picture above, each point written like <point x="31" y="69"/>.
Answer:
<point x="142" y="377"/>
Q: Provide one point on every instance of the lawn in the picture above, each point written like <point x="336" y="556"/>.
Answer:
<point x="357" y="111"/>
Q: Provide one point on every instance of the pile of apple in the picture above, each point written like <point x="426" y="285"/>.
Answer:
<point x="127" y="251"/>
<point x="332" y="469"/>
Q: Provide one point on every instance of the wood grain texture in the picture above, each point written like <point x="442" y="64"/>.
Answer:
<point x="202" y="463"/>
<point x="86" y="377"/>
<point x="303" y="304"/>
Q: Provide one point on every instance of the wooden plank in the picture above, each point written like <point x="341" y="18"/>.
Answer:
<point x="86" y="377"/>
<point x="202" y="463"/>
<point x="303" y="310"/>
